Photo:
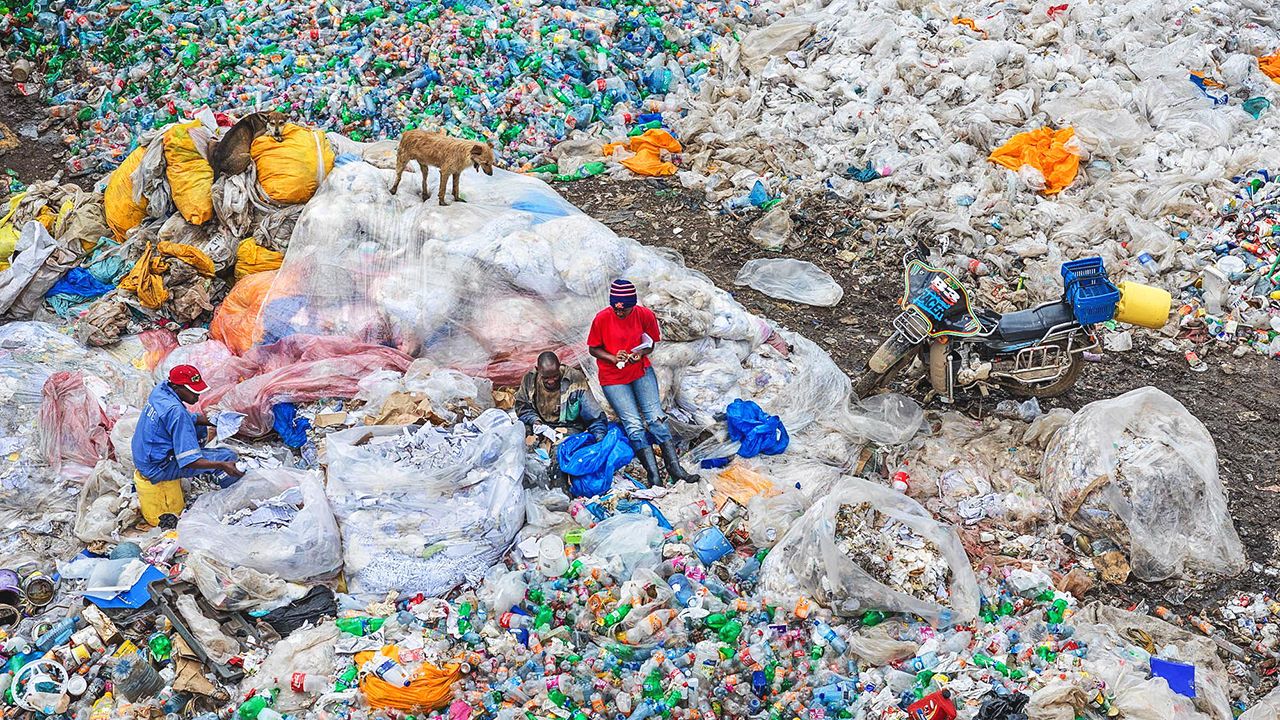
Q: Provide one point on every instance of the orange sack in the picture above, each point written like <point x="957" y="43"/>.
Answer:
<point x="237" y="323"/>
<point x="431" y="688"/>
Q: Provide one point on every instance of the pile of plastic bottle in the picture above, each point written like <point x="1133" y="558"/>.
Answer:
<point x="1238" y="294"/>
<point x="566" y="634"/>
<point x="520" y="74"/>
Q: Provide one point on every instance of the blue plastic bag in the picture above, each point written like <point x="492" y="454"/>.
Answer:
<point x="757" y="432"/>
<point x="292" y="429"/>
<point x="591" y="465"/>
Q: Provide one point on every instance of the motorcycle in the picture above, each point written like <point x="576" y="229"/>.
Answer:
<point x="1037" y="352"/>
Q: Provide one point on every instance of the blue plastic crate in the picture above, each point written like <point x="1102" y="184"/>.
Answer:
<point x="1091" y="293"/>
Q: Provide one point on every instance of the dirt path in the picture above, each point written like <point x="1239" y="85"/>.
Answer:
<point x="1241" y="409"/>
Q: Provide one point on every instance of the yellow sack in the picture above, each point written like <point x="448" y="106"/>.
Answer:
<point x="291" y="170"/>
<point x="161" y="498"/>
<point x="123" y="214"/>
<point x="253" y="258"/>
<point x="8" y="233"/>
<point x="431" y="688"/>
<point x="190" y="175"/>
<point x="1045" y="150"/>
<point x="145" y="279"/>
<point x="1270" y="66"/>
<point x="195" y="257"/>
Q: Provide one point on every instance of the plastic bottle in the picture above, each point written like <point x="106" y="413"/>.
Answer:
<point x="103" y="708"/>
<point x="387" y="669"/>
<point x="135" y="679"/>
<point x="309" y="683"/>
<point x="359" y="626"/>
<point x="827" y="635"/>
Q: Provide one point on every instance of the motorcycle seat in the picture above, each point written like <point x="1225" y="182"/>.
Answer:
<point x="1032" y="324"/>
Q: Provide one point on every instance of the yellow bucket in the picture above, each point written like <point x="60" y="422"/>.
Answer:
<point x="1143" y="305"/>
<point x="156" y="499"/>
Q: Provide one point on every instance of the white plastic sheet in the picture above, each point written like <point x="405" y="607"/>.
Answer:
<point x="790" y="279"/>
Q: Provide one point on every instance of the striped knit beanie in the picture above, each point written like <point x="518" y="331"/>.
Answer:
<point x="622" y="291"/>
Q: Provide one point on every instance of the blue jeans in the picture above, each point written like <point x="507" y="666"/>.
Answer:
<point x="170" y="470"/>
<point x="639" y="408"/>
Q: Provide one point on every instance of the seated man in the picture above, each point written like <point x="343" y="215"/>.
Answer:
<point x="553" y="398"/>
<point x="166" y="445"/>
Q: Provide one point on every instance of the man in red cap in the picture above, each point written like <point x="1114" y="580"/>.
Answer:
<point x="166" y="445"/>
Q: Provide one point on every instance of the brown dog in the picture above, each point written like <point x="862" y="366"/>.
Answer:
<point x="230" y="155"/>
<point x="451" y="155"/>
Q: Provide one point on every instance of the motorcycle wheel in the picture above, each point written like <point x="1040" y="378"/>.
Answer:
<point x="869" y="382"/>
<point x="1054" y="389"/>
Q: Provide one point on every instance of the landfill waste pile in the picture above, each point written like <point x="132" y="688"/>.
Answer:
<point x="399" y="545"/>
<point x="1014" y="138"/>
<point x="524" y="75"/>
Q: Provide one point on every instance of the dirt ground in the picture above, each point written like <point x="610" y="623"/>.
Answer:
<point x="1238" y="399"/>
<point x="31" y="160"/>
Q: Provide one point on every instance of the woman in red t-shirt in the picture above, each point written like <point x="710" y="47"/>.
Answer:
<point x="621" y="338"/>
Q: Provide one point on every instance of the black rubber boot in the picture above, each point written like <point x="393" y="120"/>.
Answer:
<point x="650" y="465"/>
<point x="672" y="460"/>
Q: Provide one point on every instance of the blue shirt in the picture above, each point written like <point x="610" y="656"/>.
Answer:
<point x="166" y="433"/>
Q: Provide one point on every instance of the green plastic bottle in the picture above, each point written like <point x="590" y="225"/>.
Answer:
<point x="359" y="626"/>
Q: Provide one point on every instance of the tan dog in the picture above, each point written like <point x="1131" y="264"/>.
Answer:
<point x="230" y="155"/>
<point x="451" y="155"/>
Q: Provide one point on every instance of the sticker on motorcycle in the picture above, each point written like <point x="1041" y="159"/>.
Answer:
<point x="940" y="299"/>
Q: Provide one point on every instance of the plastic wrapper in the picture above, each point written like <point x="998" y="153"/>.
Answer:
<point x="306" y="546"/>
<point x="107" y="503"/>
<point x="238" y="588"/>
<point x="625" y="542"/>
<point x="1140" y="469"/>
<point x="422" y="510"/>
<point x="808" y="560"/>
<point x="790" y="279"/>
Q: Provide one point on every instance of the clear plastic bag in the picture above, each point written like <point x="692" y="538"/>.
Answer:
<point x="790" y="279"/>
<point x="807" y="559"/>
<point x="437" y="509"/>
<point x="306" y="650"/>
<point x="1140" y="469"/>
<point x="238" y="588"/>
<point x="307" y="546"/>
<point x="624" y="543"/>
<point x="772" y="231"/>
